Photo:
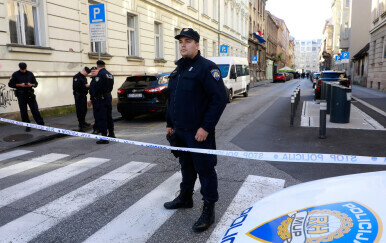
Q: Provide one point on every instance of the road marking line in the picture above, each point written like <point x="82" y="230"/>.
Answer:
<point x="13" y="154"/>
<point x="32" y="224"/>
<point x="23" y="189"/>
<point x="20" y="167"/>
<point x="370" y="106"/>
<point x="253" y="189"/>
<point x="139" y="222"/>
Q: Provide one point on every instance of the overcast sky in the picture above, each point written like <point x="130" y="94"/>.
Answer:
<point x="304" y="18"/>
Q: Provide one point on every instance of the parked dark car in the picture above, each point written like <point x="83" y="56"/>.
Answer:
<point x="338" y="77"/>
<point x="279" y="77"/>
<point x="143" y="94"/>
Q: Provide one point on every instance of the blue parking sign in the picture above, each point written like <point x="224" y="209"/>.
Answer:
<point x="97" y="13"/>
<point x="223" y="49"/>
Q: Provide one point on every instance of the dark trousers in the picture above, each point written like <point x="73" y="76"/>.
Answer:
<point x="29" y="99"/>
<point x="81" y="108"/>
<point x="201" y="164"/>
<point x="102" y="109"/>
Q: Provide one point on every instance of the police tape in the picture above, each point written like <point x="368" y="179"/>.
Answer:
<point x="262" y="156"/>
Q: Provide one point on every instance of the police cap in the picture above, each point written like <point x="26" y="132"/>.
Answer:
<point x="87" y="70"/>
<point x="100" y="63"/>
<point x="190" y="33"/>
<point x="93" y="68"/>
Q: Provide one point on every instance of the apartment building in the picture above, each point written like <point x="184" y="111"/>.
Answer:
<point x="307" y="55"/>
<point x="271" y="34"/>
<point x="53" y="38"/>
<point x="377" y="53"/>
<point x="257" y="21"/>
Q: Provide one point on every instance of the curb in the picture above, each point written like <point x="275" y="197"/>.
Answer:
<point x="42" y="139"/>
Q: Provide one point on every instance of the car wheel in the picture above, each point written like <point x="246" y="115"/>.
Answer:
<point x="229" y="95"/>
<point x="246" y="91"/>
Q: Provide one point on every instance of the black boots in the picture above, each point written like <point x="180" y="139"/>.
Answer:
<point x="183" y="200"/>
<point x="111" y="134"/>
<point x="207" y="217"/>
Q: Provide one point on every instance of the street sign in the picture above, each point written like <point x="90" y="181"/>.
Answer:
<point x="338" y="59"/>
<point x="97" y="23"/>
<point x="345" y="57"/>
<point x="254" y="59"/>
<point x="223" y="49"/>
<point x="98" y="32"/>
<point x="97" y="13"/>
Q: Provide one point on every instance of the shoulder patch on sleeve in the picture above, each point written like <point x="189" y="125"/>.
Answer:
<point x="216" y="74"/>
<point x="75" y="79"/>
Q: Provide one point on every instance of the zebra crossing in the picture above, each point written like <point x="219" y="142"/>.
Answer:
<point x="137" y="223"/>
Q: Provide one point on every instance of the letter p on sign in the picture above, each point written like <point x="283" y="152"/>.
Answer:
<point x="96" y="11"/>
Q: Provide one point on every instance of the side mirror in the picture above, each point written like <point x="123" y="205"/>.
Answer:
<point x="233" y="76"/>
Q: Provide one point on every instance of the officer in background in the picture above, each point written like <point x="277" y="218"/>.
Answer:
<point x="80" y="89"/>
<point x="197" y="98"/>
<point x="93" y="74"/>
<point x="100" y="92"/>
<point x="24" y="81"/>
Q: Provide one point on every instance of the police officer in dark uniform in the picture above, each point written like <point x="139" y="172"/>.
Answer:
<point x="24" y="81"/>
<point x="197" y="98"/>
<point x="80" y="89"/>
<point x="100" y="92"/>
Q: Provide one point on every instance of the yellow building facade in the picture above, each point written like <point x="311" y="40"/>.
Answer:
<point x="53" y="38"/>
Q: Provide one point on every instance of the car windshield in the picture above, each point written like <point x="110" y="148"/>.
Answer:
<point x="279" y="74"/>
<point x="140" y="81"/>
<point x="224" y="69"/>
<point x="334" y="75"/>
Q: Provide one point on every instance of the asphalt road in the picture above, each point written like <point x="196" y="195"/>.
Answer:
<point x="98" y="197"/>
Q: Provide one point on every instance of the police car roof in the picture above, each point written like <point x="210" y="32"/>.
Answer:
<point x="332" y="71"/>
<point x="340" y="206"/>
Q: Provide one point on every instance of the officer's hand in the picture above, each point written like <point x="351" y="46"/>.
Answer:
<point x="89" y="103"/>
<point x="87" y="85"/>
<point x="201" y="135"/>
<point x="169" y="130"/>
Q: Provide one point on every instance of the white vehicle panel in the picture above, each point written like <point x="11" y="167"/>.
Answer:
<point x="340" y="209"/>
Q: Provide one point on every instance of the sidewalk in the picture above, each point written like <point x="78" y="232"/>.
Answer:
<point x="260" y="83"/>
<point x="13" y="136"/>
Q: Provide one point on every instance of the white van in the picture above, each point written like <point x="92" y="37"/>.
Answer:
<point x="235" y="74"/>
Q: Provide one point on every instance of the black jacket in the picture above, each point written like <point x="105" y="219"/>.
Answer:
<point x="19" y="77"/>
<point x="102" y="84"/>
<point x="197" y="95"/>
<point x="78" y="84"/>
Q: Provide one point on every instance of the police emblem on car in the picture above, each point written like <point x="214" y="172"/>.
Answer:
<point x="215" y="73"/>
<point x="337" y="222"/>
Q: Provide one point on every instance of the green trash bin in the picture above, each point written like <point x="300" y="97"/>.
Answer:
<point x="340" y="104"/>
<point x="328" y="95"/>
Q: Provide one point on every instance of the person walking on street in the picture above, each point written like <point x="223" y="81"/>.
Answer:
<point x="197" y="99"/>
<point x="100" y="92"/>
<point x="80" y="90"/>
<point x="24" y="81"/>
